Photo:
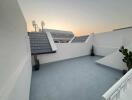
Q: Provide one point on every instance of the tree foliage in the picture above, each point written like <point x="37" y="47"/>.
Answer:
<point x="127" y="57"/>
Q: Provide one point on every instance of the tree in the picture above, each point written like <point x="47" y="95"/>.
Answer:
<point x="127" y="57"/>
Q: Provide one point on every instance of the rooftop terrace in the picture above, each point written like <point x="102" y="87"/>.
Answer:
<point x="74" y="79"/>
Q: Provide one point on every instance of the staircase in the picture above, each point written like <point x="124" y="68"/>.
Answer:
<point x="40" y="43"/>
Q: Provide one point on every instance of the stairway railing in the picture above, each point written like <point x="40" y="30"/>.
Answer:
<point x="53" y="46"/>
<point x="120" y="87"/>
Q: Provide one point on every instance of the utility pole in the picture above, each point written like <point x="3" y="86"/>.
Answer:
<point x="42" y="25"/>
<point x="34" y="25"/>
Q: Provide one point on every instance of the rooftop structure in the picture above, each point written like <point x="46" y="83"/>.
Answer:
<point x="40" y="43"/>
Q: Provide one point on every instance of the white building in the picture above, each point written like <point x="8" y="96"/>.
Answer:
<point x="60" y="36"/>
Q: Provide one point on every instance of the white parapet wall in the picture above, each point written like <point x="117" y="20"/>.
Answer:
<point x="108" y="42"/>
<point x="15" y="58"/>
<point x="113" y="60"/>
<point x="17" y="86"/>
<point x="122" y="90"/>
<point x="66" y="51"/>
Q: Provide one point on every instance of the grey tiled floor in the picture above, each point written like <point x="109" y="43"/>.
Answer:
<point x="74" y="79"/>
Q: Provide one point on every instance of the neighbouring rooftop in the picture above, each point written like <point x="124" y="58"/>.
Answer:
<point x="60" y="36"/>
<point x="60" y="33"/>
<point x="80" y="39"/>
<point x="73" y="79"/>
<point x="130" y="27"/>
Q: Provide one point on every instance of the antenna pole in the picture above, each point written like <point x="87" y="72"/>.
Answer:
<point x="34" y="25"/>
<point x="42" y="25"/>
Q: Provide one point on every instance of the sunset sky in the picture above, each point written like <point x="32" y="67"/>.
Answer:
<point x="79" y="16"/>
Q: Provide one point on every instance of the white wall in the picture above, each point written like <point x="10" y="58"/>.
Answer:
<point x="14" y="52"/>
<point x="22" y="85"/>
<point x="66" y="51"/>
<point x="113" y="60"/>
<point x="108" y="42"/>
